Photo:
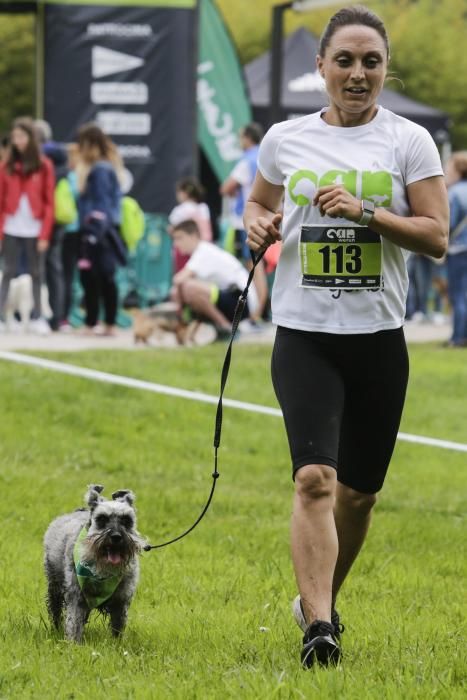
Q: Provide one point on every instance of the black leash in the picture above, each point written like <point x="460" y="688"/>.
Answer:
<point x="239" y="309"/>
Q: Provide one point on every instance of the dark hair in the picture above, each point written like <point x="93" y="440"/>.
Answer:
<point x="190" y="227"/>
<point x="92" y="135"/>
<point x="356" y="14"/>
<point x="253" y="131"/>
<point x="192" y="187"/>
<point x="31" y="158"/>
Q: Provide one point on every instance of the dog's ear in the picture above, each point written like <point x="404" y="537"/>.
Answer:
<point x="125" y="496"/>
<point x="92" y="497"/>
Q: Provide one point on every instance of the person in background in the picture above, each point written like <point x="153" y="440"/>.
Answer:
<point x="4" y="147"/>
<point x="190" y="195"/>
<point x="71" y="241"/>
<point x="211" y="281"/>
<point x="54" y="274"/>
<point x="238" y="186"/>
<point x="456" y="178"/>
<point x="27" y="186"/>
<point x="420" y="270"/>
<point x="361" y="187"/>
<point x="102" y="248"/>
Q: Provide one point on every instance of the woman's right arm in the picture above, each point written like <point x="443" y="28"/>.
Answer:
<point x="262" y="217"/>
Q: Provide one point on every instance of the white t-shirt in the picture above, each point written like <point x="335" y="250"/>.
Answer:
<point x="212" y="264"/>
<point x="198" y="212"/>
<point x="375" y="161"/>
<point x="241" y="174"/>
<point x="22" y="223"/>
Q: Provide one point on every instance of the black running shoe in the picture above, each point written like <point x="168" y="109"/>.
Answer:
<point x="320" y="645"/>
<point x="299" y="616"/>
<point x="338" y="626"/>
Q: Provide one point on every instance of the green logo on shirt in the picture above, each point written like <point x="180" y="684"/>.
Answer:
<point x="376" y="186"/>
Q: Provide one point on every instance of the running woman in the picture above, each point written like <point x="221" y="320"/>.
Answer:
<point x="362" y="187"/>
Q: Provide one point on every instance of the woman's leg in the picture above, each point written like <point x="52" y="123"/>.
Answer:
<point x="35" y="264"/>
<point x="314" y="539"/>
<point x="310" y="391"/>
<point x="457" y="297"/>
<point x="54" y="276"/>
<point x="90" y="283"/>
<point x="11" y="251"/>
<point x="374" y="400"/>
<point x="70" y="251"/>
<point x="109" y="292"/>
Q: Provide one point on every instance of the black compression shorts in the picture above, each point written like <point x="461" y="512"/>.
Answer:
<point x="342" y="398"/>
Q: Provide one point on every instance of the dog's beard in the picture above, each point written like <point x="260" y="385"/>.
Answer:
<point x="109" y="557"/>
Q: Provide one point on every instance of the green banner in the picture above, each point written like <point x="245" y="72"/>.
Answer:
<point x="223" y="107"/>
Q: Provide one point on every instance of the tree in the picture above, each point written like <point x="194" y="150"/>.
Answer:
<point x="427" y="46"/>
<point x="17" y="40"/>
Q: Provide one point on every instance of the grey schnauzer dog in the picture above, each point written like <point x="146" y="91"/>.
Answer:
<point x="91" y="562"/>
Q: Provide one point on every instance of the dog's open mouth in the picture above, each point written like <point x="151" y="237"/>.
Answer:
<point x="114" y="557"/>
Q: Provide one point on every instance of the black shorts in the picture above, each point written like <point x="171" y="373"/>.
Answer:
<point x="342" y="398"/>
<point x="227" y="303"/>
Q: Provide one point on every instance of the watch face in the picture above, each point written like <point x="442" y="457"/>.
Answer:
<point x="368" y="206"/>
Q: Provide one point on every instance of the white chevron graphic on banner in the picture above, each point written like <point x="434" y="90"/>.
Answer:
<point x="107" y="62"/>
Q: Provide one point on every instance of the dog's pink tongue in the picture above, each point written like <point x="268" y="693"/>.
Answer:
<point x="114" y="557"/>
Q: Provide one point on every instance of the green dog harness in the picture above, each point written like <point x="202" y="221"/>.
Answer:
<point x="96" y="589"/>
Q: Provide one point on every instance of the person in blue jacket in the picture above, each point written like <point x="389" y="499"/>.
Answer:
<point x="102" y="248"/>
<point x="456" y="177"/>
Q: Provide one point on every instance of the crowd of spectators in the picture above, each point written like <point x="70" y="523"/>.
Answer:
<point x="60" y="216"/>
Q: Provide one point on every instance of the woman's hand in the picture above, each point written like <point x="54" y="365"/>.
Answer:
<point x="42" y="245"/>
<point x="336" y="202"/>
<point x="263" y="232"/>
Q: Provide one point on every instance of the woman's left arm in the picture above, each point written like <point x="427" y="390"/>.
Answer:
<point x="426" y="231"/>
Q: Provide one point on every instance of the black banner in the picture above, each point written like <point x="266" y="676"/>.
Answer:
<point x="132" y="70"/>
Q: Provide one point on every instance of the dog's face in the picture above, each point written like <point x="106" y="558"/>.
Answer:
<point x="112" y="540"/>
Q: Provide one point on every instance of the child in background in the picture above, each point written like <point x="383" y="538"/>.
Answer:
<point x="27" y="186"/>
<point x="190" y="195"/>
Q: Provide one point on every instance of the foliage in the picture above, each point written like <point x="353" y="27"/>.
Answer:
<point x="427" y="39"/>
<point x="211" y="618"/>
<point x="17" y="79"/>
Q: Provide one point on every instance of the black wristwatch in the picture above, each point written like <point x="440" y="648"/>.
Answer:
<point x="368" y="212"/>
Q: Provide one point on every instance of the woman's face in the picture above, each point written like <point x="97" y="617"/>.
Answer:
<point x="89" y="151"/>
<point x="354" y="67"/>
<point x="19" y="139"/>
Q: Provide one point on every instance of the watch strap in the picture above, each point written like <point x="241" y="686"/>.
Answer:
<point x="368" y="211"/>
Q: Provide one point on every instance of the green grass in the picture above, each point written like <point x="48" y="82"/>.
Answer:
<point x="195" y="625"/>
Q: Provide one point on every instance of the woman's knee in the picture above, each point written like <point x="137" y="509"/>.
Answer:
<point x="356" y="501"/>
<point x="315" y="482"/>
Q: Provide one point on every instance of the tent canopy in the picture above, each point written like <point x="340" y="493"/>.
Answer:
<point x="303" y="88"/>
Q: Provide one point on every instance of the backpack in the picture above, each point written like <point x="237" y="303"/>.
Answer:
<point x="66" y="211"/>
<point x="132" y="222"/>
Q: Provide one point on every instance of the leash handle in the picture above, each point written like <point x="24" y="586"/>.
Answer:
<point x="242" y="299"/>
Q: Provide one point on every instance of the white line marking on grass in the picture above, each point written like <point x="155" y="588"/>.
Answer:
<point x="108" y="378"/>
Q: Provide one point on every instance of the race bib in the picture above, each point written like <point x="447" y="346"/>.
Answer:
<point x="340" y="257"/>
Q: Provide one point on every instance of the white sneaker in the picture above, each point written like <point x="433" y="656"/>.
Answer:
<point x="418" y="317"/>
<point x="39" y="326"/>
<point x="15" y="326"/>
<point x="298" y="614"/>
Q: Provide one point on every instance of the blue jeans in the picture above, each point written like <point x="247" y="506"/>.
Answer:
<point x="420" y="269"/>
<point x="457" y="287"/>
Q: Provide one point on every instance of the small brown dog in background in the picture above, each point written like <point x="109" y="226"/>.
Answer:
<point x="161" y="319"/>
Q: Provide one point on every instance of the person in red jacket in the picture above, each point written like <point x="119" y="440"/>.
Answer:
<point x="27" y="186"/>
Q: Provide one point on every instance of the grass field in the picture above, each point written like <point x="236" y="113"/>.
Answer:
<point x="211" y="618"/>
